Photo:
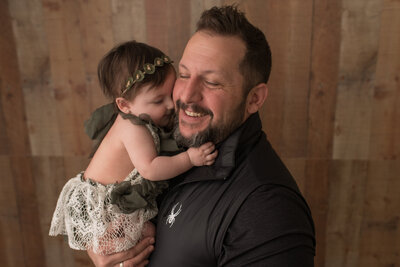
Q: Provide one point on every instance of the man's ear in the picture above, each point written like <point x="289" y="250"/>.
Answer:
<point x="122" y="104"/>
<point x="256" y="97"/>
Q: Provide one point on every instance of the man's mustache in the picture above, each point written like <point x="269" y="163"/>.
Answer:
<point x="194" y="107"/>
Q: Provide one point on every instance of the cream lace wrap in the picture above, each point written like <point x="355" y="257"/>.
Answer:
<point x="84" y="213"/>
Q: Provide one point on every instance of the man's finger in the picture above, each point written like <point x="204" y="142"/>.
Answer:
<point x="142" y="264"/>
<point x="141" y="247"/>
<point x="140" y="259"/>
<point x="137" y="254"/>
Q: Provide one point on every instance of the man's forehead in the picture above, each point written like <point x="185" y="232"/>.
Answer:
<point x="206" y="70"/>
<point x="216" y="43"/>
<point x="213" y="53"/>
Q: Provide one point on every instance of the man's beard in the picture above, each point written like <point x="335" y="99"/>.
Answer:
<point x="213" y="133"/>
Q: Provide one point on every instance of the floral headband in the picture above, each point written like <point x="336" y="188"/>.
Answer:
<point x="148" y="68"/>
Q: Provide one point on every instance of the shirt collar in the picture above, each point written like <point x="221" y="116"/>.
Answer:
<point x="231" y="150"/>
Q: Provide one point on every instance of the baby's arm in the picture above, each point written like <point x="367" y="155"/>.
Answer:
<point x="202" y="155"/>
<point x="162" y="167"/>
<point x="142" y="152"/>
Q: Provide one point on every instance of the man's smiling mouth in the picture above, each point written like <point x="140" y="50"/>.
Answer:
<point x="194" y="114"/>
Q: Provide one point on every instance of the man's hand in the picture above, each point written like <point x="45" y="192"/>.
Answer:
<point x="202" y="155"/>
<point x="136" y="256"/>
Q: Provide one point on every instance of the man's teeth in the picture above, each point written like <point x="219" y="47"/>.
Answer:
<point x="193" y="114"/>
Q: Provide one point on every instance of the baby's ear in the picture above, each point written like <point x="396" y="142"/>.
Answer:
<point x="122" y="104"/>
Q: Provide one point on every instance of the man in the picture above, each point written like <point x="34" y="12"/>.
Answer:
<point x="246" y="209"/>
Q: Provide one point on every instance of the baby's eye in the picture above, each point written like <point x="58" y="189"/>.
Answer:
<point x="183" y="76"/>
<point x="158" y="101"/>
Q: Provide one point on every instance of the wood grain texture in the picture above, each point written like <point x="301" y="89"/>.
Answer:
<point x="289" y="84"/>
<point x="168" y="27"/>
<point x="68" y="86"/>
<point x="347" y="184"/>
<point x="358" y="57"/>
<point x="332" y="112"/>
<point x="385" y="118"/>
<point x="325" y="51"/>
<point x="13" y="117"/>
<point x="95" y="26"/>
<point x="128" y="20"/>
<point x="11" y="244"/>
<point x="379" y="235"/>
<point x="316" y="191"/>
<point x="32" y="239"/>
<point x="34" y="69"/>
<point x="19" y="174"/>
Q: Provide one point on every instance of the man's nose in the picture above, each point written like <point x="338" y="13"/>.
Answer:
<point x="192" y="92"/>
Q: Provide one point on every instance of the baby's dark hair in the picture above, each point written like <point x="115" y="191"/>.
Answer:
<point x="122" y="62"/>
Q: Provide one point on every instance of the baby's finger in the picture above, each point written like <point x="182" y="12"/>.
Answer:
<point x="209" y="162"/>
<point x="206" y="146"/>
<point x="212" y="155"/>
<point x="209" y="150"/>
<point x="210" y="159"/>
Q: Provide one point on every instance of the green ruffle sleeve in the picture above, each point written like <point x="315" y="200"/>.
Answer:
<point x="99" y="123"/>
<point x="129" y="198"/>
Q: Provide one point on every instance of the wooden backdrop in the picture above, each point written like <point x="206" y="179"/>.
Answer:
<point x="333" y="111"/>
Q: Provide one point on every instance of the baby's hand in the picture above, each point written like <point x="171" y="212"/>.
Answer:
<point x="202" y="155"/>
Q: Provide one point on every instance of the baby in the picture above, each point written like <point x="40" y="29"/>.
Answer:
<point x="126" y="164"/>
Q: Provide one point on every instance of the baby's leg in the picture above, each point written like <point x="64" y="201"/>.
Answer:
<point x="149" y="230"/>
<point x="123" y="232"/>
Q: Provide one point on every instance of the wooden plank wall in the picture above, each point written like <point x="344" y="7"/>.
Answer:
<point x="333" y="111"/>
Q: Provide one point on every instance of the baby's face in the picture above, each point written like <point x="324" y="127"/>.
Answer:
<point x="155" y="102"/>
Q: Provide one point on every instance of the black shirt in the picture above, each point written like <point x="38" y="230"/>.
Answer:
<point x="245" y="210"/>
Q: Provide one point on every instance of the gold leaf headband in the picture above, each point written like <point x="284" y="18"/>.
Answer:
<point x="148" y="68"/>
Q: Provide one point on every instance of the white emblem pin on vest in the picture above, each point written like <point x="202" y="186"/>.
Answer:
<point x="173" y="214"/>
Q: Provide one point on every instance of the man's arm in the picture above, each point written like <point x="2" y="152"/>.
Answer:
<point x="273" y="227"/>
